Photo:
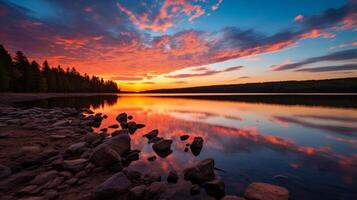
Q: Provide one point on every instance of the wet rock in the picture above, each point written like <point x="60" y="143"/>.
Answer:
<point x="196" y="146"/>
<point x="137" y="193"/>
<point x="122" y="117"/>
<point x="195" y="189"/>
<point x="232" y="197"/>
<point x="77" y="147"/>
<point x="4" y="172"/>
<point x="104" y="156"/>
<point x="140" y="126"/>
<point x="155" y="190"/>
<point x="152" y="158"/>
<point x="74" y="165"/>
<point x="130" y="117"/>
<point x="203" y="171"/>
<point x="215" y="188"/>
<point x="184" y="137"/>
<point x="265" y="191"/>
<point x="162" y="146"/>
<point x="119" y="132"/>
<point x="114" y="126"/>
<point x="113" y="187"/>
<point x="44" y="177"/>
<point x="132" y="127"/>
<point x="152" y="177"/>
<point x="152" y="134"/>
<point x="172" y="177"/>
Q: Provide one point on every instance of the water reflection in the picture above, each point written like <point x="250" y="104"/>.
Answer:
<point x="311" y="150"/>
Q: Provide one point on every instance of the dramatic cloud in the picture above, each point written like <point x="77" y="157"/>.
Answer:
<point x="336" y="56"/>
<point x="204" y="72"/>
<point x="330" y="68"/>
<point x="110" y="38"/>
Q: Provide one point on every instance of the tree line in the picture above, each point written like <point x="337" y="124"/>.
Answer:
<point x="18" y="74"/>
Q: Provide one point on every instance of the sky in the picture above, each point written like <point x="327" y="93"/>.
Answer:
<point x="152" y="44"/>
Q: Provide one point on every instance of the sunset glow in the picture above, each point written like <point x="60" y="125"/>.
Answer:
<point x="168" y="44"/>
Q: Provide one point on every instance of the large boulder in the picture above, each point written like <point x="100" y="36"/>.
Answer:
<point x="203" y="171"/>
<point x="196" y="146"/>
<point x="104" y="156"/>
<point x="113" y="187"/>
<point x="215" y="188"/>
<point x="265" y="191"/>
<point x="119" y="143"/>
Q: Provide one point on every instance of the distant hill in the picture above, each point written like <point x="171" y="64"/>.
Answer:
<point x="342" y="85"/>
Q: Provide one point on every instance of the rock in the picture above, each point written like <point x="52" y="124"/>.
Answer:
<point x="172" y="177"/>
<point x="152" y="177"/>
<point x="155" y="190"/>
<point x="140" y="126"/>
<point x="186" y="149"/>
<point x="30" y="189"/>
<point x="132" y="127"/>
<point x="56" y="182"/>
<point x="133" y="155"/>
<point x="195" y="189"/>
<point x="155" y="139"/>
<point x="196" y="146"/>
<point x="74" y="165"/>
<point x="114" y="126"/>
<point x="137" y="193"/>
<point x="124" y="125"/>
<point x="17" y="179"/>
<point x="232" y="197"/>
<point x="113" y="187"/>
<point x="203" y="171"/>
<point x="133" y="175"/>
<point x="152" y="158"/>
<point x="104" y="129"/>
<point x="77" y="147"/>
<point x="104" y="156"/>
<point x="90" y="137"/>
<point x="119" y="132"/>
<point x="4" y="172"/>
<point x="162" y="146"/>
<point x="61" y="123"/>
<point x="52" y="194"/>
<point x="81" y="174"/>
<point x="122" y="117"/>
<point x="57" y="137"/>
<point x="4" y="135"/>
<point x="130" y="117"/>
<point x="44" y="177"/>
<point x="265" y="191"/>
<point x="120" y="143"/>
<point x="184" y="137"/>
<point x="152" y="134"/>
<point x="215" y="188"/>
<point x="30" y="149"/>
<point x="72" y="181"/>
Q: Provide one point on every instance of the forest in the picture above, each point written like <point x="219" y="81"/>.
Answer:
<point x="18" y="74"/>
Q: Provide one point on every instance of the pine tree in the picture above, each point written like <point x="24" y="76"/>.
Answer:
<point x="5" y="69"/>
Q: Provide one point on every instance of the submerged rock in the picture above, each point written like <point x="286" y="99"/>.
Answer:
<point x="196" y="146"/>
<point x="265" y="191"/>
<point x="203" y="171"/>
<point x="113" y="187"/>
<point x="114" y="126"/>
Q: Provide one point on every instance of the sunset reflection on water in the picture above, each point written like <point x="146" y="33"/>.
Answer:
<point x="309" y="149"/>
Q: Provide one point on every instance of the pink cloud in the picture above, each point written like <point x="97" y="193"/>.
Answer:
<point x="298" y="18"/>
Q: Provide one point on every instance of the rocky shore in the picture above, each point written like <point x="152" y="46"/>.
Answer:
<point x="56" y="154"/>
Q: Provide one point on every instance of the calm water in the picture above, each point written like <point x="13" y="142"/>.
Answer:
<point x="307" y="144"/>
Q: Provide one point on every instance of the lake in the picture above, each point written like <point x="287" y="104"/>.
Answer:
<point x="306" y="143"/>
